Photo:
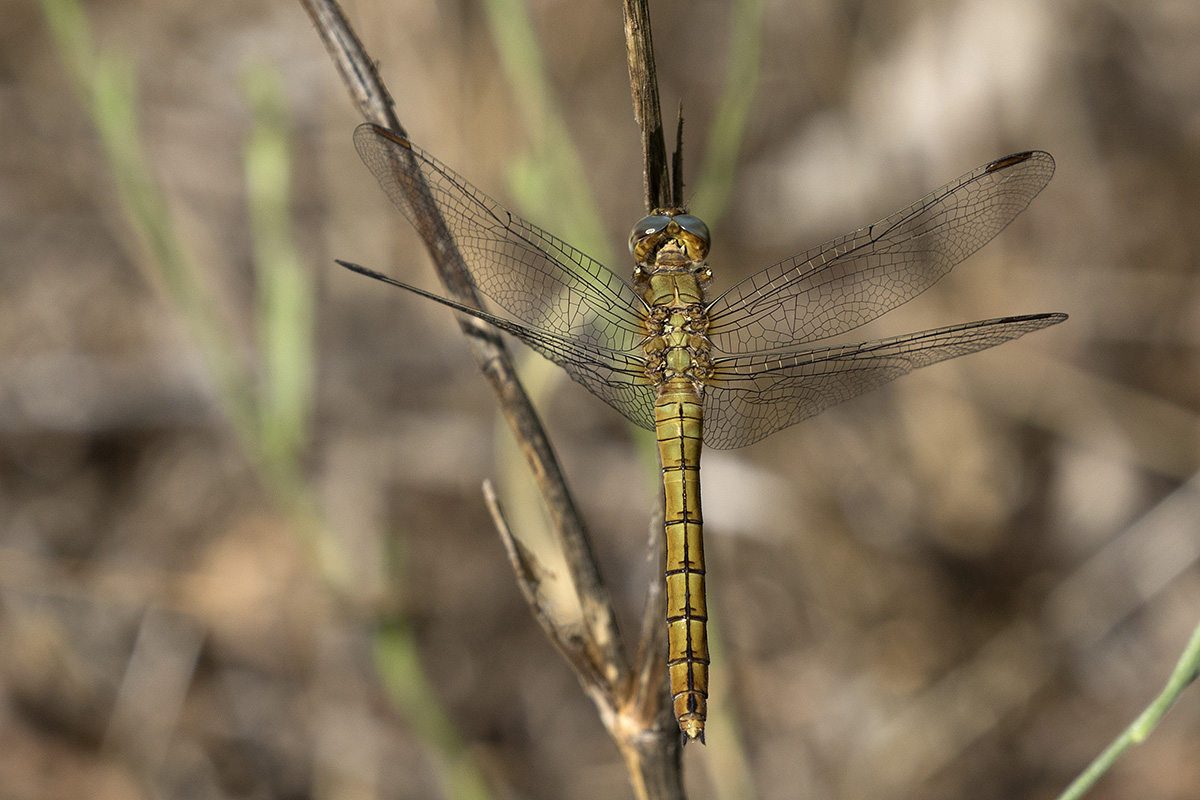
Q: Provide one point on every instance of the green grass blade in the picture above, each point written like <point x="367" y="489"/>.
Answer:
<point x="285" y="310"/>
<point x="408" y="685"/>
<point x="715" y="182"/>
<point x="1185" y="672"/>
<point x="107" y="85"/>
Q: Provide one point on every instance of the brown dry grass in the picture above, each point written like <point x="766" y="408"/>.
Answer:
<point x="961" y="586"/>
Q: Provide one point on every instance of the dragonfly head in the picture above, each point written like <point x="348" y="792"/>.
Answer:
<point x="669" y="239"/>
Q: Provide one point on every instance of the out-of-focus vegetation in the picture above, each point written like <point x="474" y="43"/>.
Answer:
<point x="961" y="586"/>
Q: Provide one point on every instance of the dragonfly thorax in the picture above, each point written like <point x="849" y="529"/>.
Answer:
<point x="670" y="270"/>
<point x="774" y="368"/>
<point x="671" y="278"/>
<point x="677" y="344"/>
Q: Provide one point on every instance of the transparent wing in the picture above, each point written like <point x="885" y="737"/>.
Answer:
<point x="851" y="280"/>
<point x="536" y="277"/>
<point x="618" y="378"/>
<point x="753" y="396"/>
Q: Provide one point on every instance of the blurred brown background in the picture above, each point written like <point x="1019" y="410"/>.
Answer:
<point x="963" y="585"/>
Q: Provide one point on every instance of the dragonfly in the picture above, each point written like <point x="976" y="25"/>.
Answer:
<point x="721" y="371"/>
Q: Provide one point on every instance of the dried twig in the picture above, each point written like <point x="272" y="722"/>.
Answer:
<point x="643" y="85"/>
<point x="359" y="74"/>
<point x="633" y="705"/>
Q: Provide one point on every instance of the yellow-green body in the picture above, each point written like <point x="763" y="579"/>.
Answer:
<point x="766" y="377"/>
<point x="677" y="350"/>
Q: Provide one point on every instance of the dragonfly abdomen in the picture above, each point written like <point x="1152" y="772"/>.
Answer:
<point x="679" y="427"/>
<point x="677" y="361"/>
<point x="573" y="311"/>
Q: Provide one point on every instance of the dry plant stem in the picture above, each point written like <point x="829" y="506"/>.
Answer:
<point x="530" y="574"/>
<point x="361" y="77"/>
<point x="677" y="164"/>
<point x="643" y="84"/>
<point x="1186" y="671"/>
<point x="649" y="700"/>
<point x="653" y="746"/>
<point x="641" y="720"/>
<point x="650" y="696"/>
<point x="632" y="705"/>
<point x="357" y="70"/>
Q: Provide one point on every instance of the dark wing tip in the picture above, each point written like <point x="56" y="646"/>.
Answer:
<point x="361" y="270"/>
<point x="1036" y="321"/>
<point x="1017" y="158"/>
<point x="380" y="132"/>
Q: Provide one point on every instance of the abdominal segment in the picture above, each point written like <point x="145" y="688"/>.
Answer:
<point x="679" y="426"/>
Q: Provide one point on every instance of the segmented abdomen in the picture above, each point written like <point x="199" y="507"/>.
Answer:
<point x="679" y="426"/>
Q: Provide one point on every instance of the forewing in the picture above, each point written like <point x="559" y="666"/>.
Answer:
<point x="851" y="280"/>
<point x="536" y="277"/>
<point x="753" y="396"/>
<point x="618" y="378"/>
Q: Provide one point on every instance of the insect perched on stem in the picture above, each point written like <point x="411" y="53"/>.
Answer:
<point x="724" y="371"/>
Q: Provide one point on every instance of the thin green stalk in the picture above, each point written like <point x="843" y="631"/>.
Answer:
<point x="550" y="182"/>
<point x="107" y="83"/>
<point x="285" y="321"/>
<point x="270" y="423"/>
<point x="552" y="188"/>
<point x="285" y="313"/>
<point x="552" y="185"/>
<point x="270" y="413"/>
<point x="715" y="183"/>
<point x="1186" y="671"/>
<point x="397" y="661"/>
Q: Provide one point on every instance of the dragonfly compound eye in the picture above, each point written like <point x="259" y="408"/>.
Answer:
<point x="693" y="225"/>
<point x="645" y="235"/>
<point x="690" y="233"/>
<point x="693" y="234"/>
